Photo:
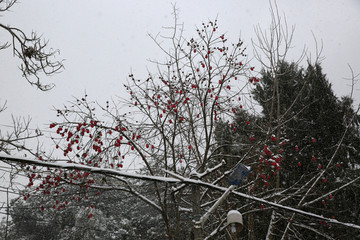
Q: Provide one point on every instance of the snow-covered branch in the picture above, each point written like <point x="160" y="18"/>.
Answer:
<point x="73" y="166"/>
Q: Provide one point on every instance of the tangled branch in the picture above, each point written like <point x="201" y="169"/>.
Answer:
<point x="32" y="51"/>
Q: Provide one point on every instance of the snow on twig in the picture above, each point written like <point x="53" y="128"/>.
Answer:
<point x="66" y="165"/>
<point x="290" y="209"/>
<point x="210" y="170"/>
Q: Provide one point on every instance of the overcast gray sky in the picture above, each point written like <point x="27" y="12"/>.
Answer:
<point x="102" y="41"/>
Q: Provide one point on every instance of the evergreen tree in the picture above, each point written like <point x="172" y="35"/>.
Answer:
<point x="314" y="130"/>
<point x="313" y="119"/>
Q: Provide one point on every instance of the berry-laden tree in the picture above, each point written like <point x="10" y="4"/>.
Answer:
<point x="315" y="161"/>
<point x="168" y="130"/>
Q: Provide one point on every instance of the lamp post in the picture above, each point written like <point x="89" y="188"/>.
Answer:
<point x="234" y="218"/>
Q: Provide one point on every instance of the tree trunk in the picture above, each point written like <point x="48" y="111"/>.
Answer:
<point x="197" y="231"/>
